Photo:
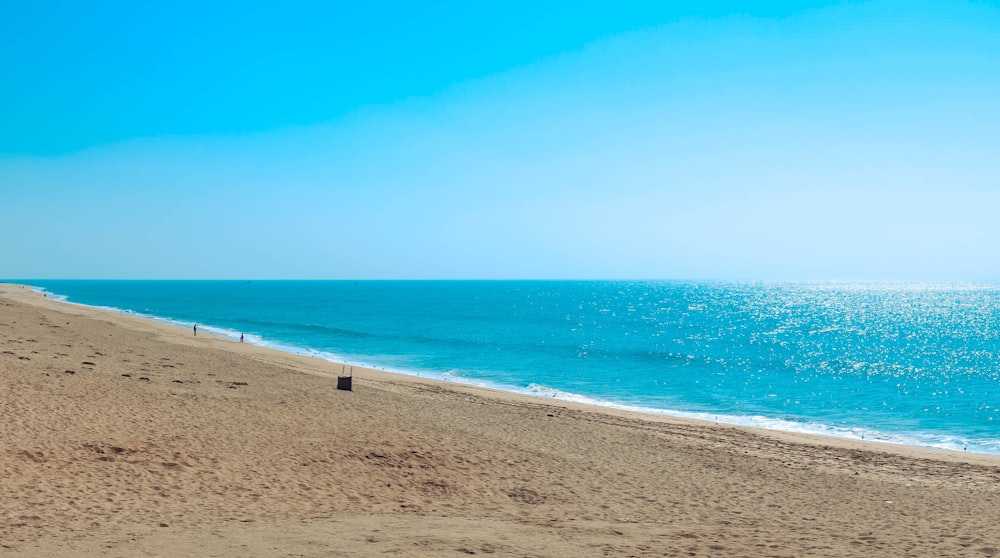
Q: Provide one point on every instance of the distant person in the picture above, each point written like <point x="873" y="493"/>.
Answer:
<point x="196" y="330"/>
<point x="241" y="338"/>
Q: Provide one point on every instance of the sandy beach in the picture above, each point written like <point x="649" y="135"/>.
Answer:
<point x="125" y="437"/>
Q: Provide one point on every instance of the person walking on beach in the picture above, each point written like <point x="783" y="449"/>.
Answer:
<point x="241" y="338"/>
<point x="196" y="330"/>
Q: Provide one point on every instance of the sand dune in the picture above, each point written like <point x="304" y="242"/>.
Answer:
<point x="123" y="437"/>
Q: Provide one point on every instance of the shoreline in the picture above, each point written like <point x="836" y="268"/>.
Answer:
<point x="499" y="392"/>
<point x="771" y="425"/>
<point x="126" y="437"/>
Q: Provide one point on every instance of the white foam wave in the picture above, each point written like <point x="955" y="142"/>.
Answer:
<point x="54" y="296"/>
<point x="935" y="441"/>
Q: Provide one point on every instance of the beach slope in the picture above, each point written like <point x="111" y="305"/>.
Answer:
<point x="125" y="437"/>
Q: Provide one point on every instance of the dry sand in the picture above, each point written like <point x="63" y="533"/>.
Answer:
<point x="124" y="437"/>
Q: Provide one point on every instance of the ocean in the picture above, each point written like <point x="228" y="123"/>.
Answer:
<point x="908" y="363"/>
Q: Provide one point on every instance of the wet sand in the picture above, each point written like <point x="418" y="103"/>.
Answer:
<point x="124" y="437"/>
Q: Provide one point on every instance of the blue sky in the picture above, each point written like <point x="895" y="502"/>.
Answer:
<point x="743" y="140"/>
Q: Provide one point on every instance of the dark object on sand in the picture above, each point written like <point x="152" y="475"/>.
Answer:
<point x="344" y="382"/>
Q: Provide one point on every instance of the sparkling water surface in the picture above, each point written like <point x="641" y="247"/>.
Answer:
<point x="908" y="363"/>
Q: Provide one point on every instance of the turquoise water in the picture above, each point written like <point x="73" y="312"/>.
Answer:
<point x="910" y="363"/>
